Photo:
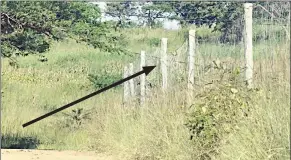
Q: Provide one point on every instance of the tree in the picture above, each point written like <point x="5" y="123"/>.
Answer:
<point x="146" y="12"/>
<point x="230" y="22"/>
<point x="151" y="12"/>
<point x="198" y="13"/>
<point x="30" y="27"/>
<point x="227" y="17"/>
<point x="122" y="11"/>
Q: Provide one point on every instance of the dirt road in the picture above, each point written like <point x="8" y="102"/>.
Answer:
<point x="19" y="154"/>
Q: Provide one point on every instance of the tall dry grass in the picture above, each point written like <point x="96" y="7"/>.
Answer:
<point x="155" y="131"/>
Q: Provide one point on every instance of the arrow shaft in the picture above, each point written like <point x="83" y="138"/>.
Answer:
<point x="83" y="98"/>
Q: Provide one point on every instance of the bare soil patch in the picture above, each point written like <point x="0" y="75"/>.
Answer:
<point x="24" y="154"/>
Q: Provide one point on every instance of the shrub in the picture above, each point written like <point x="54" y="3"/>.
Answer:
<point x="155" y="42"/>
<point x="76" y="118"/>
<point x="108" y="75"/>
<point x="217" y="110"/>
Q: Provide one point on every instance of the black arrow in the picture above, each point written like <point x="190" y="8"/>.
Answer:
<point x="146" y="70"/>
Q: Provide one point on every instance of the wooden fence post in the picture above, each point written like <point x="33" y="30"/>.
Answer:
<point x="248" y="43"/>
<point x="142" y="78"/>
<point x="131" y="81"/>
<point x="191" y="64"/>
<point x="164" y="63"/>
<point x="125" y="85"/>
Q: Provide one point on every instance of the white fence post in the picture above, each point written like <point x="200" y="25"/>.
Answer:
<point x="164" y="63"/>
<point x="125" y="85"/>
<point x="248" y="8"/>
<point x="142" y="78"/>
<point x="131" y="81"/>
<point x="191" y="63"/>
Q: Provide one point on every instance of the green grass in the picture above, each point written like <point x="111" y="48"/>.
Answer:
<point x="156" y="131"/>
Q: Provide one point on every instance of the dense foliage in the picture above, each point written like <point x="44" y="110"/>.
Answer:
<point x="29" y="27"/>
<point x="218" y="109"/>
<point x="106" y="76"/>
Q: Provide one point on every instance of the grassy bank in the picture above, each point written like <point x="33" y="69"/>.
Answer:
<point x="156" y="131"/>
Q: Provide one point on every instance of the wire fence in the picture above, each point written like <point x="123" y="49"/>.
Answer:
<point x="270" y="38"/>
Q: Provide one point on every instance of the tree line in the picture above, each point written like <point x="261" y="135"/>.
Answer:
<point x="30" y="27"/>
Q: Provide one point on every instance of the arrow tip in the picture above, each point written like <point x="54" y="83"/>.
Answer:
<point x="148" y="69"/>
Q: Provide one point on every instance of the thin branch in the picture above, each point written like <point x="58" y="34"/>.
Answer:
<point x="271" y="14"/>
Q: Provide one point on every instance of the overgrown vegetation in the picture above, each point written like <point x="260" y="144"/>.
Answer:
<point x="218" y="108"/>
<point x="225" y="120"/>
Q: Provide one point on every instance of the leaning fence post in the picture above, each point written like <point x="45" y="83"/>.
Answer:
<point x="164" y="63"/>
<point x="191" y="65"/>
<point x="248" y="8"/>
<point x="142" y="78"/>
<point x="125" y="85"/>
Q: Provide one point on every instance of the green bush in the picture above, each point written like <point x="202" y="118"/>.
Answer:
<point x="108" y="75"/>
<point x="155" y="42"/>
<point x="217" y="110"/>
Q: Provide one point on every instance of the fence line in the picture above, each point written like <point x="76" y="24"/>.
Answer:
<point x="167" y="63"/>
